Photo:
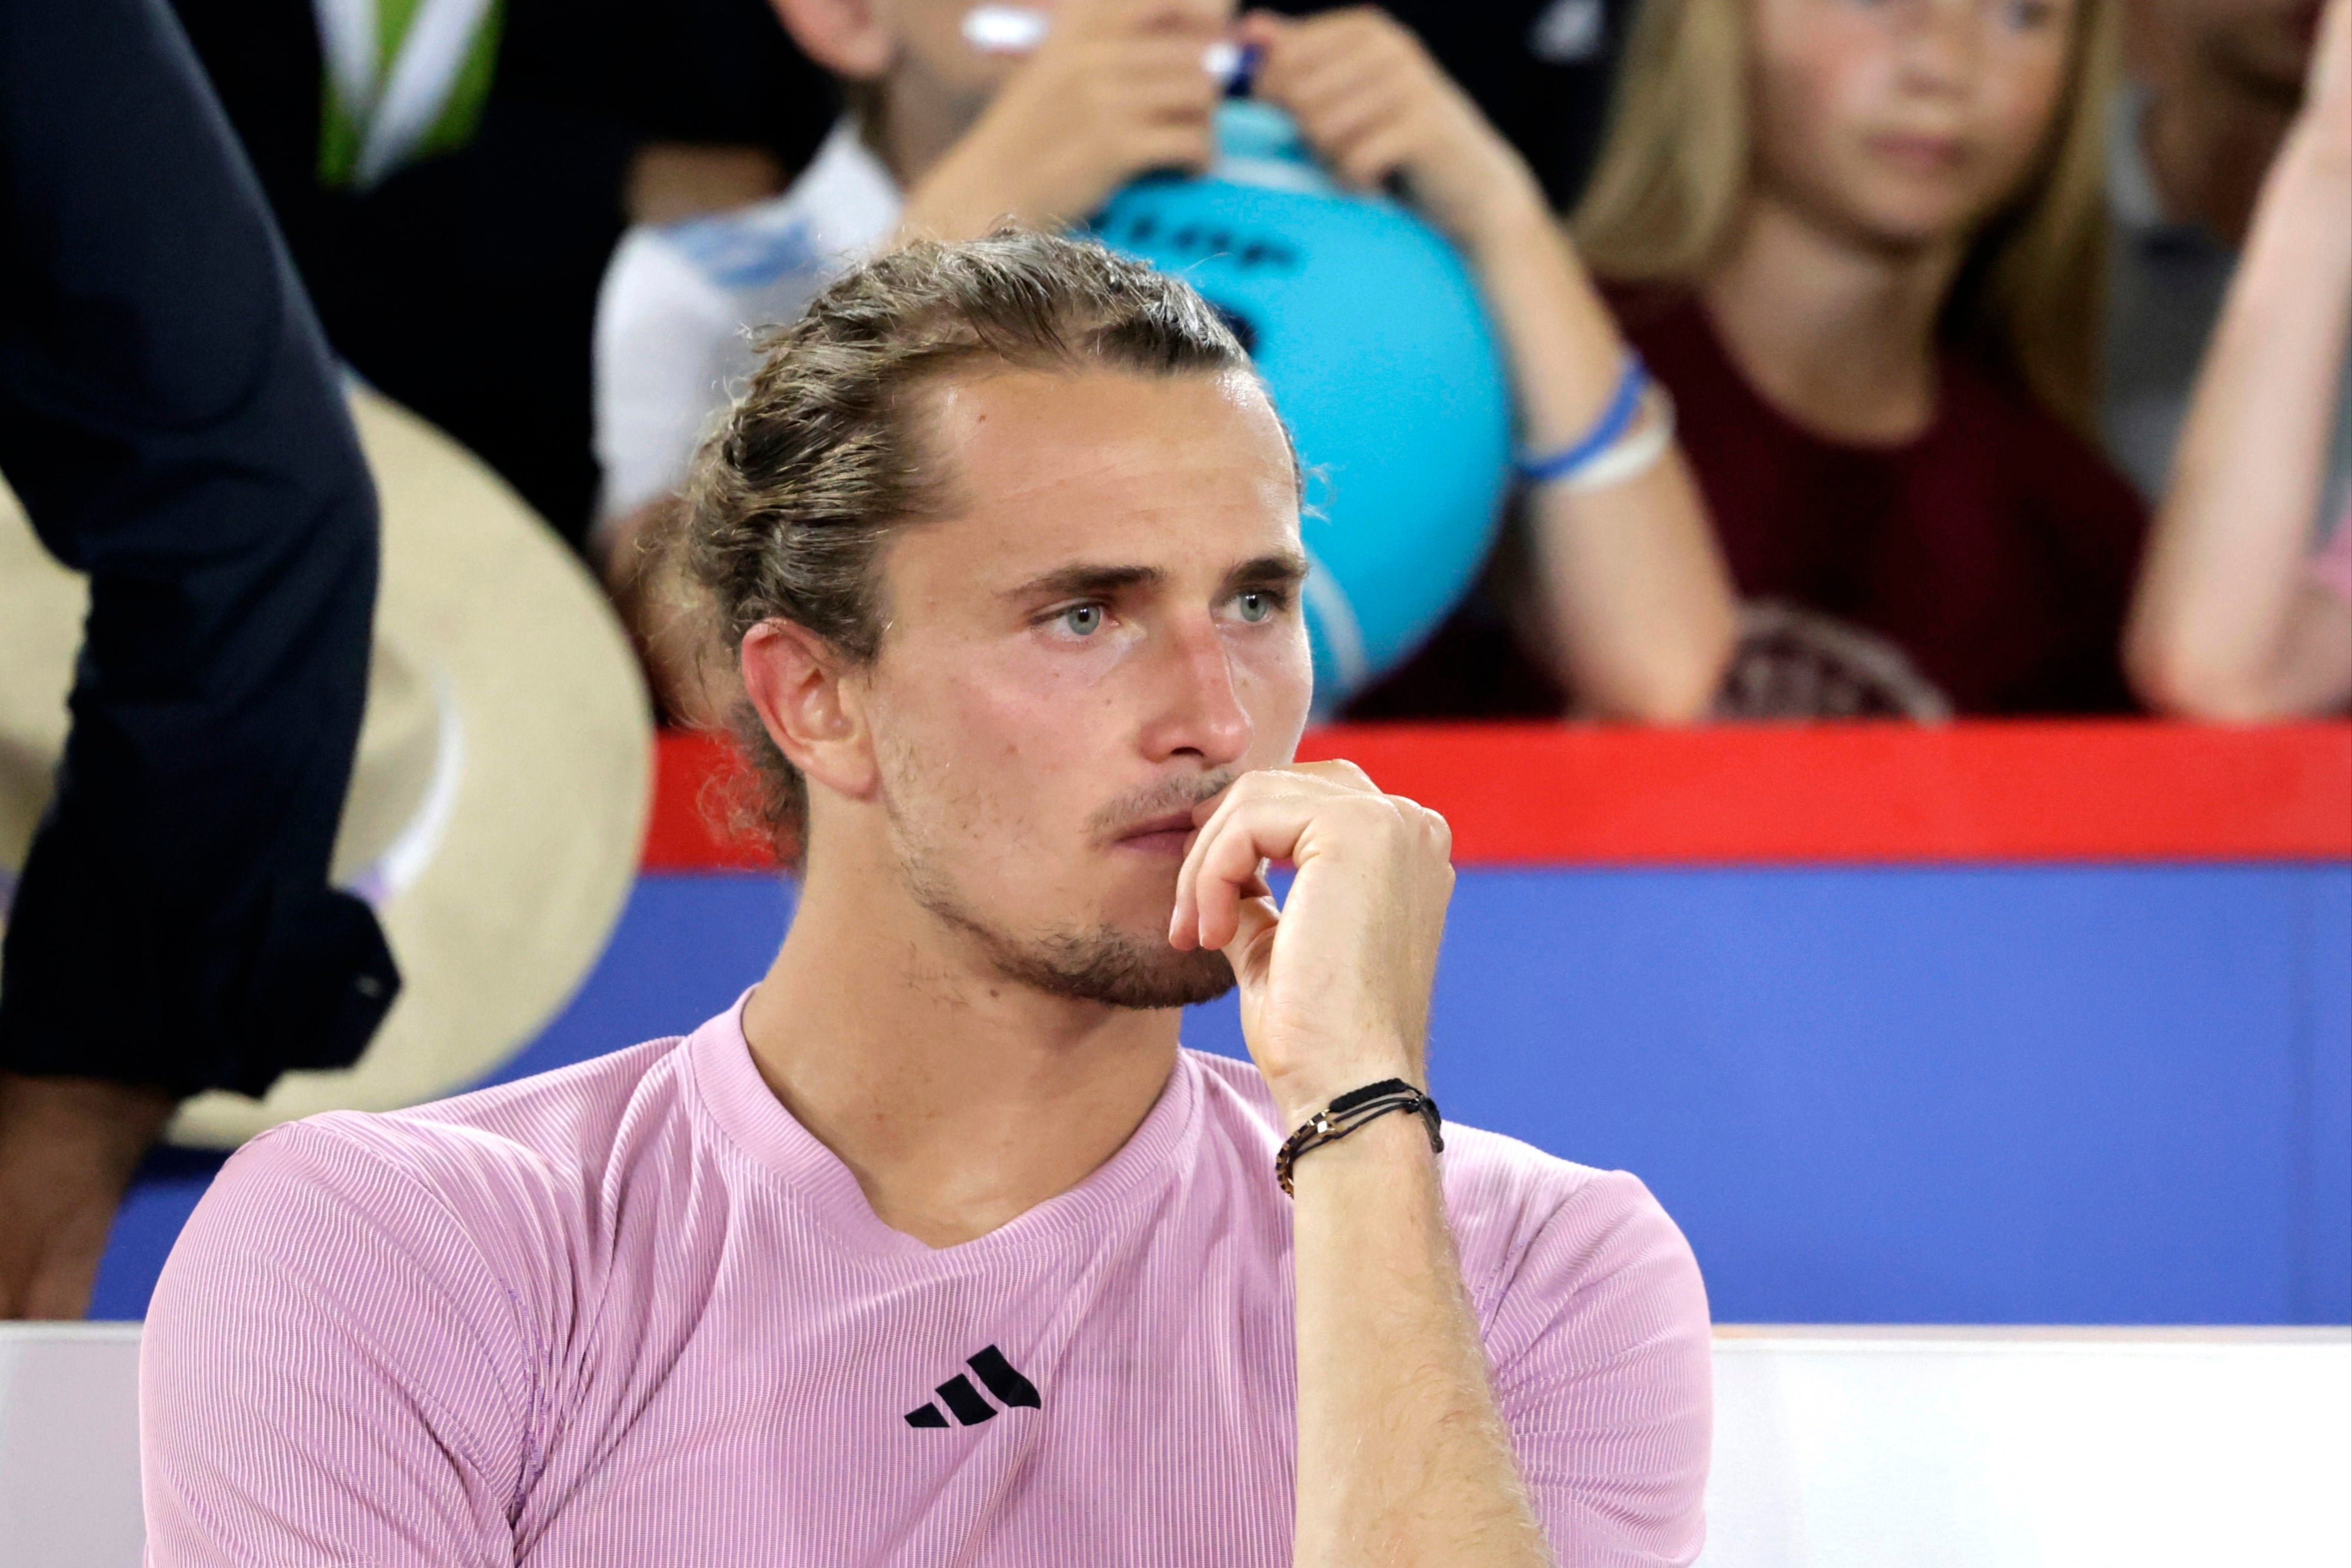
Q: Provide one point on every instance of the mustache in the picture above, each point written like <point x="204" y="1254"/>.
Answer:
<point x="1160" y="799"/>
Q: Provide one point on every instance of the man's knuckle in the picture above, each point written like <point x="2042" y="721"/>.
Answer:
<point x="1339" y="769"/>
<point x="1381" y="814"/>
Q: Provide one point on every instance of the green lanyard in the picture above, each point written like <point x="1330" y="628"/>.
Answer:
<point x="405" y="79"/>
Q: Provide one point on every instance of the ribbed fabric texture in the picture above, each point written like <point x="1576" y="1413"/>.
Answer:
<point x="631" y="1314"/>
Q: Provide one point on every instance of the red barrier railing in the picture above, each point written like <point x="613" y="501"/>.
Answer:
<point x="2123" y="790"/>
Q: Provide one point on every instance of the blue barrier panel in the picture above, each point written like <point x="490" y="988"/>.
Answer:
<point x="2040" y="1095"/>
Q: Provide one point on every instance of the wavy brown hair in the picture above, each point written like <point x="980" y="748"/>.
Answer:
<point x="792" y="498"/>
<point x="1677" y="169"/>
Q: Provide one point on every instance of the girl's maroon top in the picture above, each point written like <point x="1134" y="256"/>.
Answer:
<point x="1995" y="550"/>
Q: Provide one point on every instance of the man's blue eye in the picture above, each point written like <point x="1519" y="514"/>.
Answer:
<point x="1253" y="605"/>
<point x="1082" y="619"/>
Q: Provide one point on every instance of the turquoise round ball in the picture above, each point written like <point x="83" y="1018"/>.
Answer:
<point x="1369" y="330"/>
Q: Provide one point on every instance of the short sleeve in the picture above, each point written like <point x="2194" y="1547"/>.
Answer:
<point x="1602" y="1363"/>
<point x="331" y="1373"/>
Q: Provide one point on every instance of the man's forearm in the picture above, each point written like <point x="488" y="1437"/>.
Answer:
<point x="1403" y="1457"/>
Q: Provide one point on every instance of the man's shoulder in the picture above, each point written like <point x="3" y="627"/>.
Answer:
<point x="1486" y="1172"/>
<point x="526" y="1152"/>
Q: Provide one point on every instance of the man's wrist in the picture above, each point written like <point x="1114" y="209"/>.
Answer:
<point x="1298" y="1096"/>
<point x="1383" y="1149"/>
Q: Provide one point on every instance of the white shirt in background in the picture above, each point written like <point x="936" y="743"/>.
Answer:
<point x="682" y="303"/>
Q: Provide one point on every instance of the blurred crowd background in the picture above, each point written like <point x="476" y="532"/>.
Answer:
<point x="1930" y="282"/>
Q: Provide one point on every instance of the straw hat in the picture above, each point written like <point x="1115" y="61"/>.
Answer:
<point x="499" y="801"/>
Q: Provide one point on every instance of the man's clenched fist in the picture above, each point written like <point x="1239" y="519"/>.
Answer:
<point x="1334" y="986"/>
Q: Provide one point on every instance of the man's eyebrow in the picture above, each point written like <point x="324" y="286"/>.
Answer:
<point x="1281" y="570"/>
<point x="1084" y="580"/>
<point x="1088" y="580"/>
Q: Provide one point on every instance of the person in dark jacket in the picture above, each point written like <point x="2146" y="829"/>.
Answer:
<point x="173" y="427"/>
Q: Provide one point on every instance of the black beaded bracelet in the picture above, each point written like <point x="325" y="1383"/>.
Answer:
<point x="1352" y="1110"/>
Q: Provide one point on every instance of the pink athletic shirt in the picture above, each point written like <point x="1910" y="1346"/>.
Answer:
<point x="631" y="1314"/>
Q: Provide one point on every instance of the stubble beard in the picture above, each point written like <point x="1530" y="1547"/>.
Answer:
<point x="1106" y="966"/>
<point x="1103" y="964"/>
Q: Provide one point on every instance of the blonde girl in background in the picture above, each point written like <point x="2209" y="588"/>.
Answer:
<point x="1861" y="243"/>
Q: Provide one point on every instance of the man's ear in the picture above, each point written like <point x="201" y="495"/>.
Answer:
<point x="848" y="38"/>
<point x="798" y="684"/>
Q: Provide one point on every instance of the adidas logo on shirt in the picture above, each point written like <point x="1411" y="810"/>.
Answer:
<point x="967" y="1403"/>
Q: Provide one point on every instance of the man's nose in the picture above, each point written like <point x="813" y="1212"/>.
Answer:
<point x="1198" y="707"/>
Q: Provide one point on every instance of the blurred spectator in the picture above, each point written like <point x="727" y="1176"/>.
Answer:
<point x="463" y="281"/>
<point x="1862" y="245"/>
<point x="2214" y="85"/>
<point x="174" y="432"/>
<point x="2234" y="619"/>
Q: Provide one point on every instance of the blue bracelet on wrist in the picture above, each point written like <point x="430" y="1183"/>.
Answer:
<point x="1624" y="407"/>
